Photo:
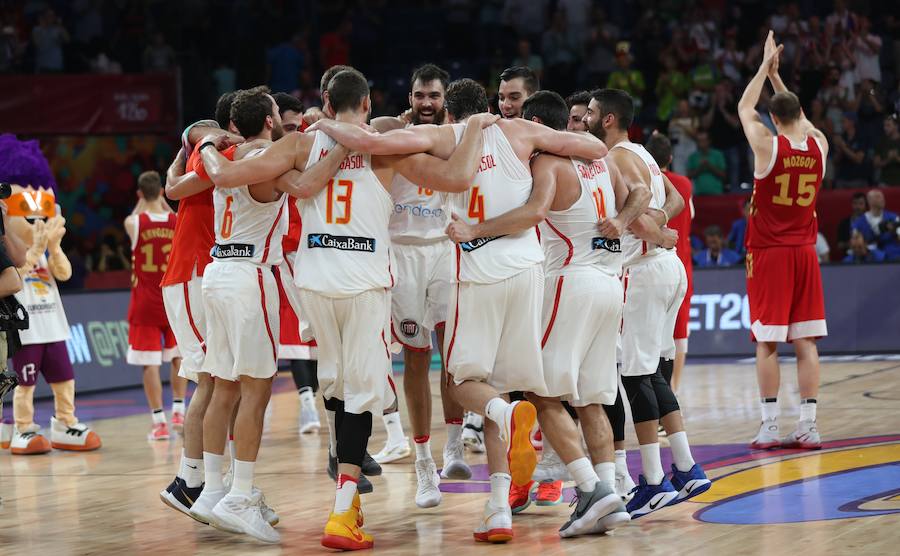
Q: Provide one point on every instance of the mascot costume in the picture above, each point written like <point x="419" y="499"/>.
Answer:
<point x="34" y="217"/>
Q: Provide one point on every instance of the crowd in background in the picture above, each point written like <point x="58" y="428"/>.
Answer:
<point x="685" y="61"/>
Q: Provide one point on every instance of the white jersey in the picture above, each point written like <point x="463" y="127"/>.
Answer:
<point x="420" y="214"/>
<point x="503" y="183"/>
<point x="570" y="237"/>
<point x="634" y="249"/>
<point x="40" y="296"/>
<point x="345" y="248"/>
<point x="247" y="229"/>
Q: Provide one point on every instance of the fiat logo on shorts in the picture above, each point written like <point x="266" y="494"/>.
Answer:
<point x="409" y="328"/>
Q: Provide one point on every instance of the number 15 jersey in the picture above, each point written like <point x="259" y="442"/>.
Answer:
<point x="345" y="246"/>
<point x="783" y="206"/>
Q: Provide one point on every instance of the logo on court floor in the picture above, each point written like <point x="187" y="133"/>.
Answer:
<point x="409" y="328"/>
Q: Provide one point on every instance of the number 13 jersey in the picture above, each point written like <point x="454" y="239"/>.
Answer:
<point x="345" y="245"/>
<point x="783" y="206"/>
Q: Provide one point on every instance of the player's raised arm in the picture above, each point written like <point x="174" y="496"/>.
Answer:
<point x="805" y="125"/>
<point x="456" y="173"/>
<point x="564" y="143"/>
<point x="529" y="215"/>
<point x="758" y="134"/>
<point x="308" y="183"/>
<point x="270" y="164"/>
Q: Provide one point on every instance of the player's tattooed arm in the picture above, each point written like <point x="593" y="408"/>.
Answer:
<point x="309" y="182"/>
<point x="269" y="165"/>
<point x="544" y="170"/>
<point x="198" y="130"/>
<point x="457" y="172"/>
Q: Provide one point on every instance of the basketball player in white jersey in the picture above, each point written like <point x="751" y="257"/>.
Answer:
<point x="655" y="284"/>
<point x="419" y="298"/>
<point x="494" y="342"/>
<point x="582" y="208"/>
<point x="344" y="270"/>
<point x="242" y="343"/>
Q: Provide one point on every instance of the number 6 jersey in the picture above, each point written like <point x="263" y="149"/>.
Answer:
<point x="783" y="206"/>
<point x="345" y="245"/>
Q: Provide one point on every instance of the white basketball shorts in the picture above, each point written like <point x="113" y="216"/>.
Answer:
<point x="420" y="292"/>
<point x="187" y="318"/>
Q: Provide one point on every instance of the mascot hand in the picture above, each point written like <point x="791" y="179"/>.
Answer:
<point x="56" y="229"/>
<point x="39" y="236"/>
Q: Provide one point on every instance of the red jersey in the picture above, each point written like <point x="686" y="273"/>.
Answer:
<point x="783" y="205"/>
<point x="682" y="222"/>
<point x="149" y="259"/>
<point x="194" y="236"/>
<point x="291" y="240"/>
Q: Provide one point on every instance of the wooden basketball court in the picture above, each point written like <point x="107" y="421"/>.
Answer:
<point x="842" y="500"/>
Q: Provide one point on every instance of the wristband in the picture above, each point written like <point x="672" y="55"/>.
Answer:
<point x="204" y="145"/>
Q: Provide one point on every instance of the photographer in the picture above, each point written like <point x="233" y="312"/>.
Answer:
<point x="12" y="254"/>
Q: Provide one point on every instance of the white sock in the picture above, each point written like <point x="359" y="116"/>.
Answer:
<point x="621" y="463"/>
<point x="243" y="477"/>
<point x="212" y="465"/>
<point x="495" y="410"/>
<point x="681" y="451"/>
<point x="454" y="433"/>
<point x="193" y="472"/>
<point x="394" y="428"/>
<point x="583" y="473"/>
<point x="231" y="449"/>
<point x="500" y="489"/>
<point x="182" y="471"/>
<point x="159" y="416"/>
<point x="606" y="474"/>
<point x="332" y="433"/>
<point x="650" y="460"/>
<point x="346" y="491"/>
<point x="178" y="406"/>
<point x="307" y="397"/>
<point x="423" y="448"/>
<point x="808" y="409"/>
<point x="769" y="407"/>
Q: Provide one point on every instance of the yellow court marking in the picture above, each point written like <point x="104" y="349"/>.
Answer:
<point x="795" y="469"/>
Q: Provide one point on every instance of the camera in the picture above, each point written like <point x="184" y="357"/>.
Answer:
<point x="8" y="381"/>
<point x="5" y="190"/>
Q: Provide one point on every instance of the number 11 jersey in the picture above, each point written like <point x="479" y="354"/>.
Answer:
<point x="345" y="246"/>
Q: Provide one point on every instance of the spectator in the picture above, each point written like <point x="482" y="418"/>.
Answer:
<point x="721" y="120"/>
<point x="860" y="252"/>
<point x="868" y="104"/>
<point x="858" y="207"/>
<point x="526" y="17"/>
<point x="853" y="170"/>
<point x="872" y="223"/>
<point x="11" y="50"/>
<point x="48" y="38"/>
<point x="683" y="128"/>
<point x="706" y="167"/>
<point x="560" y="53"/>
<point x="625" y="78"/>
<point x="285" y="63"/>
<point x="823" y="250"/>
<point x="866" y="46"/>
<point x="738" y="232"/>
<point x="158" y="56"/>
<point x="716" y="253"/>
<point x="526" y="58"/>
<point x="577" y="14"/>
<point x="334" y="47"/>
<point x="834" y="96"/>
<point x="671" y="86"/>
<point x="225" y="77"/>
<point x="102" y="63"/>
<point x="599" y="60"/>
<point x="887" y="152"/>
<point x="730" y="58"/>
<point x="111" y="256"/>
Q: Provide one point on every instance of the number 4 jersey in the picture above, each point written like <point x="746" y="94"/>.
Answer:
<point x="345" y="246"/>
<point x="149" y="258"/>
<point x="783" y="206"/>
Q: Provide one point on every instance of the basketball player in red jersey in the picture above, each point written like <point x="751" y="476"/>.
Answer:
<point x="661" y="148"/>
<point x="151" y="342"/>
<point x="784" y="282"/>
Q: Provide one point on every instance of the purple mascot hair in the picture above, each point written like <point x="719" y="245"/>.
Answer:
<point x="23" y="163"/>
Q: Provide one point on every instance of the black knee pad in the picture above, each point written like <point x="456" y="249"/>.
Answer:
<point x="665" y="397"/>
<point x="304" y="374"/>
<point x="334" y="404"/>
<point x="667" y="367"/>
<point x="572" y="413"/>
<point x="353" y="437"/>
<point x="616" y="415"/>
<point x="641" y="397"/>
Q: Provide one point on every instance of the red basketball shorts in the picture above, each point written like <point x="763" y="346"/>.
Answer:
<point x="150" y="345"/>
<point x="784" y="285"/>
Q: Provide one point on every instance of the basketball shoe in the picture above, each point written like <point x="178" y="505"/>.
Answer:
<point x="455" y="466"/>
<point x="242" y="514"/>
<point x="393" y="452"/>
<point x="344" y="532"/>
<point x="518" y="421"/>
<point x="649" y="498"/>
<point x="689" y="483"/>
<point x="624" y="486"/>
<point x="202" y="508"/>
<point x="29" y="441"/>
<point x="520" y="496"/>
<point x="611" y="521"/>
<point x="181" y="497"/>
<point x="178" y="422"/>
<point x="6" y="433"/>
<point x="309" y="416"/>
<point x="79" y="437"/>
<point x="549" y="493"/>
<point x="804" y="437"/>
<point x="428" y="495"/>
<point x="473" y="432"/>
<point x="160" y="431"/>
<point x="495" y="526"/>
<point x="590" y="507"/>
<point x="767" y="437"/>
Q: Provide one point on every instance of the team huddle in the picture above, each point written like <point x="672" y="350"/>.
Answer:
<point x="536" y="247"/>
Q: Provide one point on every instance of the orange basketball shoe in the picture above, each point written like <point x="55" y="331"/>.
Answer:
<point x="342" y="532"/>
<point x="160" y="431"/>
<point x="78" y="437"/>
<point x="516" y="432"/>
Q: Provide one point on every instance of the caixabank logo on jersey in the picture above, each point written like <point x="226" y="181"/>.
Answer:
<point x="477" y="243"/>
<point x="611" y="245"/>
<point x="344" y="243"/>
<point x="233" y="251"/>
